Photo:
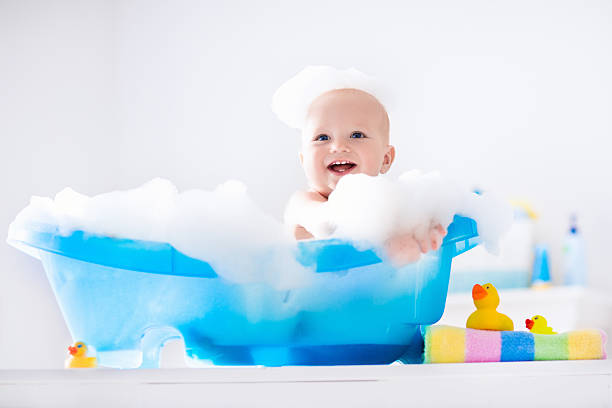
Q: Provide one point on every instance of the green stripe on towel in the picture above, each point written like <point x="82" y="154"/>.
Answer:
<point x="551" y="347"/>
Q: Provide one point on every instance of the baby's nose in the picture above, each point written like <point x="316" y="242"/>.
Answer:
<point x="340" y="145"/>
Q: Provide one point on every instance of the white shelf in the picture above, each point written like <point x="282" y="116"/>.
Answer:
<point x="558" y="383"/>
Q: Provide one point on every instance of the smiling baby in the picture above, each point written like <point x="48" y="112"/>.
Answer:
<point x="345" y="130"/>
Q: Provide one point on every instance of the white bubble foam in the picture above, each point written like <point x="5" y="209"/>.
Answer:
<point x="224" y="227"/>
<point x="292" y="99"/>
<point x="228" y="230"/>
<point x="371" y="209"/>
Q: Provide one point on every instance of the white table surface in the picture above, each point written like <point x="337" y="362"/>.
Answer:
<point x="542" y="384"/>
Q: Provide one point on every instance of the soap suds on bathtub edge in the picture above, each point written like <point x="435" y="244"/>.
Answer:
<point x="227" y="229"/>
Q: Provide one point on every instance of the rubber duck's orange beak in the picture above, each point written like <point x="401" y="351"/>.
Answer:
<point x="529" y="323"/>
<point x="72" y="350"/>
<point x="478" y="292"/>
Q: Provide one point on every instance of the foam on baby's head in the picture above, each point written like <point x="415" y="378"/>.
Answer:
<point x="293" y="99"/>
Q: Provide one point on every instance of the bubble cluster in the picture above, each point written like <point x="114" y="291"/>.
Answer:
<point x="227" y="229"/>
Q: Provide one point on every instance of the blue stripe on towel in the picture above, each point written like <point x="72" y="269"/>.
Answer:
<point x="517" y="346"/>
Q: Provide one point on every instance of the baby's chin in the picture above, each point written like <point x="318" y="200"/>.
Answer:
<point x="331" y="186"/>
<point x="324" y="190"/>
<point x="332" y="181"/>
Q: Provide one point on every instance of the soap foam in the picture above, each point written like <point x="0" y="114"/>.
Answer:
<point x="292" y="99"/>
<point x="371" y="209"/>
<point x="225" y="228"/>
<point x="242" y="243"/>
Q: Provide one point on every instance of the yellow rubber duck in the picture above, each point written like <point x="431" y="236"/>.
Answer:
<point x="538" y="324"/>
<point x="486" y="317"/>
<point x="78" y="357"/>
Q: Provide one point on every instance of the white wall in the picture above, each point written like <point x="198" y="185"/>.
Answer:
<point x="57" y="129"/>
<point x="511" y="96"/>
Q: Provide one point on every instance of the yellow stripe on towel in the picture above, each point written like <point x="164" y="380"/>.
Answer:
<point x="445" y="343"/>
<point x="585" y="345"/>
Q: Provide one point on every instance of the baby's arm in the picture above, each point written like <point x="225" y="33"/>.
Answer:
<point x="406" y="248"/>
<point x="307" y="216"/>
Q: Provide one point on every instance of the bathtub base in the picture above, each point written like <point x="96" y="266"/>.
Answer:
<point x="348" y="354"/>
<point x="272" y="356"/>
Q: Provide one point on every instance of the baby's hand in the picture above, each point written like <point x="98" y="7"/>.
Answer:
<point x="406" y="248"/>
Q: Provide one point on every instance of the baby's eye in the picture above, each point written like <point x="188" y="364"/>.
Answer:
<point x="321" y="137"/>
<point x="357" y="135"/>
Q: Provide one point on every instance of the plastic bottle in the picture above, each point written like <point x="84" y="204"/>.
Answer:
<point x="540" y="277"/>
<point x="574" y="257"/>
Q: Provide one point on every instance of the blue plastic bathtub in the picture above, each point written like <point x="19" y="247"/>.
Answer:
<point x="127" y="298"/>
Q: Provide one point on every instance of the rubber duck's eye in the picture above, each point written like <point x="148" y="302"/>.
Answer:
<point x="321" y="137"/>
<point x="357" y="135"/>
<point x="487" y="287"/>
<point x="535" y="318"/>
<point x="80" y="345"/>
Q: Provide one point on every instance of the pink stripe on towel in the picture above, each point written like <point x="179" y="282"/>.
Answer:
<point x="482" y="346"/>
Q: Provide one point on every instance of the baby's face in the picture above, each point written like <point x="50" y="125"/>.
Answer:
<point x="346" y="132"/>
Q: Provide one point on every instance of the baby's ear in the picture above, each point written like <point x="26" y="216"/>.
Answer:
<point x="388" y="160"/>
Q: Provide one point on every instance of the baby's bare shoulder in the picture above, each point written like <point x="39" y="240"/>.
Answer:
<point x="303" y="213"/>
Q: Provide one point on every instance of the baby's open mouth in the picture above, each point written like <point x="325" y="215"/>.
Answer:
<point x="341" y="166"/>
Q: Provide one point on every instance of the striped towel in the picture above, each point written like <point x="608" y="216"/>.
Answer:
<point x="447" y="344"/>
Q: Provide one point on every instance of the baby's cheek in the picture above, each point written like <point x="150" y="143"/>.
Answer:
<point x="373" y="164"/>
<point x="311" y="173"/>
<point x="369" y="168"/>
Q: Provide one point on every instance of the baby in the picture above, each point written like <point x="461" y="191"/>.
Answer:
<point x="345" y="130"/>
